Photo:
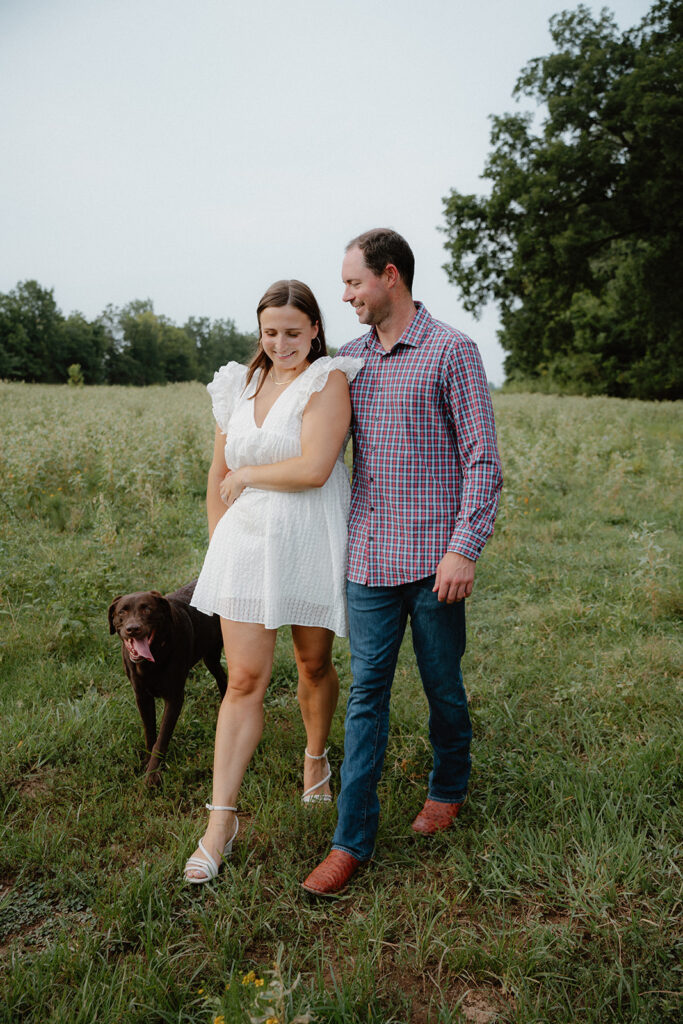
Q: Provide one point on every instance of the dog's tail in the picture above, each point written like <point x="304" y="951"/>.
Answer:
<point x="184" y="593"/>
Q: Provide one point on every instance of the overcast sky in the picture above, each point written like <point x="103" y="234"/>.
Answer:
<point x="194" y="152"/>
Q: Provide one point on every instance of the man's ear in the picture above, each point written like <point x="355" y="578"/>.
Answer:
<point x="392" y="275"/>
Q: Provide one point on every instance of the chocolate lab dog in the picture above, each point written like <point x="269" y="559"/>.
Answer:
<point x="163" y="637"/>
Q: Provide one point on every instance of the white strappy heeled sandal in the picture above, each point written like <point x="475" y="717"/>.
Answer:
<point x="209" y="866"/>
<point x="310" y="796"/>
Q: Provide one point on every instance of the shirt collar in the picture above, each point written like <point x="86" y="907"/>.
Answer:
<point x="414" y="334"/>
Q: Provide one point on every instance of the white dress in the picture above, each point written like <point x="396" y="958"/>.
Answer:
<point x="277" y="557"/>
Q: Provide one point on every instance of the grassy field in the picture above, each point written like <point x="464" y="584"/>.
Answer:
<point x="556" y="898"/>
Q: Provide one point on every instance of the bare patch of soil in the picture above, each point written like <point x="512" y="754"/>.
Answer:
<point x="34" y="786"/>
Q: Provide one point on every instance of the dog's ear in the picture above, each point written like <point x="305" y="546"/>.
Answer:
<point x="112" y="610"/>
<point x="163" y="613"/>
<point x="163" y="606"/>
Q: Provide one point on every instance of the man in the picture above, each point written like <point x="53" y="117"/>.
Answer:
<point x="426" y="481"/>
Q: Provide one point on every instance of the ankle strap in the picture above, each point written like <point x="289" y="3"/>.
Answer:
<point x="217" y="807"/>
<point x="316" y="757"/>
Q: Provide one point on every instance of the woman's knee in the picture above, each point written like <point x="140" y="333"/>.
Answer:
<point x="314" y="669"/>
<point x="245" y="684"/>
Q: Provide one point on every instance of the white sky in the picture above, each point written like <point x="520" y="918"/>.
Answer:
<point x="194" y="151"/>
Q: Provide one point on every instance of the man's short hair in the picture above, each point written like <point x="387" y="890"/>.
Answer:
<point x="381" y="246"/>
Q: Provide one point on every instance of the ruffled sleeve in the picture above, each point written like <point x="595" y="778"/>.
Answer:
<point x="319" y="371"/>
<point x="225" y="388"/>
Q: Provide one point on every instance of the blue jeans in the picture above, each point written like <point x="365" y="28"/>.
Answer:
<point x="377" y="622"/>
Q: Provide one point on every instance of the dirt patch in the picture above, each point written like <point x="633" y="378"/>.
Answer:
<point x="483" y="1005"/>
<point x="480" y="1004"/>
<point x="38" y="935"/>
<point x="34" y="786"/>
<point x="426" y="995"/>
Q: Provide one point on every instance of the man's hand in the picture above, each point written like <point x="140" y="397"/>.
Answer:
<point x="454" y="577"/>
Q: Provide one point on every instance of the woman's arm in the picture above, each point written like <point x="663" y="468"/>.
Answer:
<point x="215" y="506"/>
<point x="324" y="426"/>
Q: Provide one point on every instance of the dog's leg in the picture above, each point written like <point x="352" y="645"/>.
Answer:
<point x="148" y="714"/>
<point x="213" y="663"/>
<point x="169" y="718"/>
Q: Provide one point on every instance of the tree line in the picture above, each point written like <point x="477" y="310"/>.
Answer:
<point x="579" y="239"/>
<point x="127" y="345"/>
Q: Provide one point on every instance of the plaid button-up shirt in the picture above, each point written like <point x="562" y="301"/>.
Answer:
<point x="426" y="469"/>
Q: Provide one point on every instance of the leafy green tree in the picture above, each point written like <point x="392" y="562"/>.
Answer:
<point x="10" y="360"/>
<point x="84" y="343"/>
<point x="75" y="376"/>
<point x="178" y="353"/>
<point x="118" y="368"/>
<point x="579" y="239"/>
<point x="218" y="342"/>
<point x="134" y="344"/>
<point x="127" y="345"/>
<point x="38" y="344"/>
<point x="31" y="335"/>
<point x="142" y="341"/>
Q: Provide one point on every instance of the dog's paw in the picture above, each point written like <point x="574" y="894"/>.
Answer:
<point x="153" y="776"/>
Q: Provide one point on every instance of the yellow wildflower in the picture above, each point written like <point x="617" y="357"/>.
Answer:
<point x="258" y="982"/>
<point x="220" y="1019"/>
<point x="272" y="1020"/>
<point x="248" y="978"/>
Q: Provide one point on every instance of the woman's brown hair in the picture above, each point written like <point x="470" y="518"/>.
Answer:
<point x="288" y="293"/>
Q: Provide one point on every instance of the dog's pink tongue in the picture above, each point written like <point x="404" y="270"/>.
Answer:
<point x="142" y="650"/>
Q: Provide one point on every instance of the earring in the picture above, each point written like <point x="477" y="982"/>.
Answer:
<point x="318" y="347"/>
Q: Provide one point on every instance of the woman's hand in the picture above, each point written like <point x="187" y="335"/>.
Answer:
<point x="232" y="485"/>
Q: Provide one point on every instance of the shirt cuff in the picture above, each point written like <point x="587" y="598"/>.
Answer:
<point x="464" y="542"/>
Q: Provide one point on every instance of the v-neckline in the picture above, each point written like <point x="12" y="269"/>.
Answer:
<point x="281" y="395"/>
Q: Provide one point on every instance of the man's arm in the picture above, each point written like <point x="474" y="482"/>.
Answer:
<point x="470" y="405"/>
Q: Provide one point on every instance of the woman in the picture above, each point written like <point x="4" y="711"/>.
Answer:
<point x="277" y="502"/>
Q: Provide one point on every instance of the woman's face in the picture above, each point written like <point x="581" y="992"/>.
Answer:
<point x="286" y="336"/>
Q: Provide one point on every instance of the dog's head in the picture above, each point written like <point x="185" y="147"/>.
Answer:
<point x="138" y="618"/>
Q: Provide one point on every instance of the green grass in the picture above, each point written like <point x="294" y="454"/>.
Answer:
<point x="557" y="896"/>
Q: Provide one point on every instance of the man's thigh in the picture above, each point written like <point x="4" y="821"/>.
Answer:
<point x="438" y="632"/>
<point x="377" y="622"/>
